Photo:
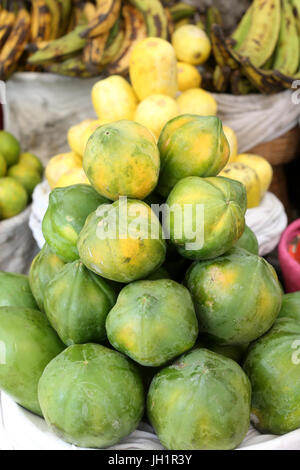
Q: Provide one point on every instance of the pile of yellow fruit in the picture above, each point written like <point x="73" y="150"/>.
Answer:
<point x="165" y="83"/>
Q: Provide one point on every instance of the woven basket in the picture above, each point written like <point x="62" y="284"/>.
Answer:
<point x="17" y="246"/>
<point x="282" y="150"/>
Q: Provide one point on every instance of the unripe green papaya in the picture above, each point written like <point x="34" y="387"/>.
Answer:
<point x="248" y="241"/>
<point x="206" y="216"/>
<point x="91" y="396"/>
<point x="77" y="320"/>
<point x="44" y="267"/>
<point x="273" y="367"/>
<point x="27" y="345"/>
<point x="291" y="306"/>
<point x="200" y="402"/>
<point x="66" y="214"/>
<point x="237" y="296"/>
<point x="122" y="253"/>
<point x="153" y="322"/>
<point x="15" y="291"/>
<point x="191" y="145"/>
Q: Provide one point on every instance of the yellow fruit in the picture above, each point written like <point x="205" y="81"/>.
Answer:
<point x="59" y="165"/>
<point x="246" y="175"/>
<point x="197" y="101"/>
<point x="155" y="111"/>
<point x="188" y="76"/>
<point x="114" y="99"/>
<point x="191" y="44"/>
<point x="13" y="197"/>
<point x="3" y="166"/>
<point x="233" y="142"/>
<point x="261" y="166"/>
<point x="73" y="176"/>
<point x="153" y="68"/>
<point x="75" y="134"/>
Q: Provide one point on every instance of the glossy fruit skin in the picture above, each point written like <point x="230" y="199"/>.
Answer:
<point x="27" y="176"/>
<point x="9" y="148"/>
<point x="59" y="165"/>
<point x="248" y="241"/>
<point x="155" y="111"/>
<point x="15" y="291"/>
<point x="291" y="306"/>
<point x="144" y="322"/>
<point x="13" y="197"/>
<point x="122" y="159"/>
<point x="130" y="257"/>
<point x="221" y="206"/>
<point x="44" y="267"/>
<point x="153" y="68"/>
<point x="76" y="133"/>
<point x="200" y="402"/>
<point x="114" y="99"/>
<point x="273" y="367"/>
<point x="28" y="344"/>
<point x="74" y="320"/>
<point x="248" y="177"/>
<point x="237" y="296"/>
<point x="188" y="76"/>
<point x="32" y="161"/>
<point x="71" y="177"/>
<point x="233" y="143"/>
<point x="197" y="102"/>
<point x="191" y="44"/>
<point x="66" y="214"/>
<point x="191" y="145"/>
<point x="91" y="396"/>
<point x="3" y="166"/>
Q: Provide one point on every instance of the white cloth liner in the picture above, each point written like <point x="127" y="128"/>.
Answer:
<point x="268" y="221"/>
<point x="22" y="430"/>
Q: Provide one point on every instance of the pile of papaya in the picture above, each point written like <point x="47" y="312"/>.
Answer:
<point x="149" y="300"/>
<point x="20" y="173"/>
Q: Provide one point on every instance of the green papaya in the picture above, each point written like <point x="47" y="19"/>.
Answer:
<point x="15" y="291"/>
<point x="77" y="321"/>
<point x="153" y="322"/>
<point x="122" y="241"/>
<point x="200" y="402"/>
<point x="27" y="345"/>
<point x="291" y="306"/>
<point x="191" y="145"/>
<point x="207" y="216"/>
<point x="237" y="296"/>
<point x="66" y="214"/>
<point x="273" y="367"/>
<point x="248" y="241"/>
<point x="44" y="267"/>
<point x="91" y="396"/>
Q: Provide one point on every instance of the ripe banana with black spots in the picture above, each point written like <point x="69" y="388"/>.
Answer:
<point x="73" y="67"/>
<point x="7" y="20"/>
<point x="263" y="80"/>
<point x="106" y="15"/>
<point x="221" y="48"/>
<point x="40" y="21"/>
<point x="15" y="43"/>
<point x="112" y="50"/>
<point x="93" y="53"/>
<point x="286" y="58"/>
<point x="260" y="42"/>
<point x="155" y="17"/>
<point x="135" y="31"/>
<point x="221" y="78"/>
<point x="65" y="7"/>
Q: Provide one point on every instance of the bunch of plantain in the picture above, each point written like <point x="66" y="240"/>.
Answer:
<point x="262" y="54"/>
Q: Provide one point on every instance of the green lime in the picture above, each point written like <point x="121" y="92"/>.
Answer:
<point x="32" y="161"/>
<point x="13" y="197"/>
<point x="27" y="176"/>
<point x="3" y="166"/>
<point x="9" y="148"/>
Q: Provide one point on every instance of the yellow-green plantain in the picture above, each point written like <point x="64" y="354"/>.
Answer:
<point x="263" y="80"/>
<point x="54" y="50"/>
<point x="111" y="50"/>
<point x="181" y="10"/>
<point x="239" y="84"/>
<point x="56" y="13"/>
<point x="7" y="20"/>
<point x="263" y="33"/>
<point x="93" y="53"/>
<point x="242" y="30"/>
<point x="213" y="16"/>
<point x="155" y="17"/>
<point x="221" y="48"/>
<point x="73" y="67"/>
<point x="65" y="8"/>
<point x="287" y="51"/>
<point x="221" y="78"/>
